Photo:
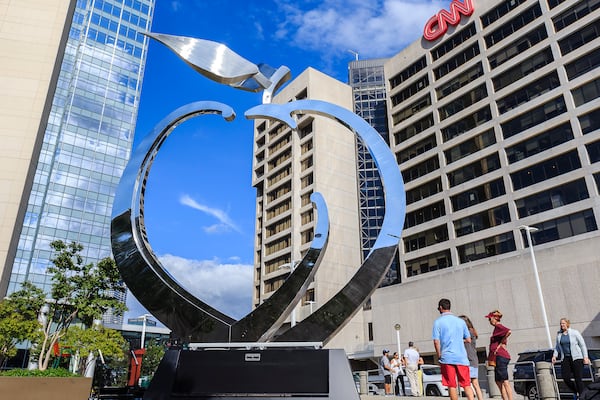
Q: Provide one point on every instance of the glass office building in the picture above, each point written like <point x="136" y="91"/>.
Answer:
<point x="366" y="78"/>
<point x="88" y="137"/>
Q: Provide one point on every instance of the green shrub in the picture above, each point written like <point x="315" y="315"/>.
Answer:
<point x="51" y="372"/>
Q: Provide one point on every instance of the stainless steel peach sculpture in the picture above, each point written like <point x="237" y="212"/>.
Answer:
<point x="189" y="317"/>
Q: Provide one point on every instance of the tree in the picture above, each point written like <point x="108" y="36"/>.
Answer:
<point x="154" y="355"/>
<point x="79" y="291"/>
<point x="19" y="319"/>
<point x="94" y="340"/>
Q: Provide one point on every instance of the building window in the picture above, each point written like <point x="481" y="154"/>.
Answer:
<point x="597" y="179"/>
<point x="474" y="170"/>
<point x="280" y="159"/>
<point x="563" y="227"/>
<point x="280" y="143"/>
<point x="523" y="69"/>
<point x="583" y="64"/>
<point x="528" y="92"/>
<point x="590" y="122"/>
<point x="517" y="47"/>
<point x="552" y="198"/>
<point x="306" y="129"/>
<point x="542" y="142"/>
<point x="478" y="194"/>
<point x="408" y="72"/>
<point x="274" y="265"/>
<point x="579" y="38"/>
<point x="429" y="263"/>
<point x="306" y="217"/>
<point x="533" y="117"/>
<point x="421" y="169"/>
<point x="467" y="123"/>
<point x="426" y="238"/>
<point x="422" y="215"/>
<point x="307" y="236"/>
<point x="499" y="11"/>
<point x="279" y="209"/>
<point x="412" y="109"/>
<point x="277" y="245"/>
<point x="306" y="163"/>
<point x="575" y="13"/>
<point x="470" y="146"/>
<point x="510" y="27"/>
<point x="482" y="220"/>
<point x="410" y="90"/>
<point x="587" y="92"/>
<point x="423" y="191"/>
<point x="460" y="103"/>
<point x="272" y="285"/>
<point x="453" y="41"/>
<point x="554" y="3"/>
<point x="593" y="150"/>
<point x="306" y="181"/>
<point x="489" y="247"/>
<point x="416" y="149"/>
<point x="545" y="170"/>
<point x="279" y="175"/>
<point x="279" y="226"/>
<point x="280" y="191"/>
<point x="414" y="129"/>
<point x="456" y="61"/>
<point x="459" y="81"/>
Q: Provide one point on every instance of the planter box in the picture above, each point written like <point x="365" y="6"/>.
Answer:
<point x="46" y="388"/>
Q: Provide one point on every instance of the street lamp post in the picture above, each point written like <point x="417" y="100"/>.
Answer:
<point x="528" y="230"/>
<point x="397" y="328"/>
<point x="145" y="319"/>
<point x="292" y="267"/>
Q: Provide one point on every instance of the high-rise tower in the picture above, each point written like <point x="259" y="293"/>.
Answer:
<point x="83" y="135"/>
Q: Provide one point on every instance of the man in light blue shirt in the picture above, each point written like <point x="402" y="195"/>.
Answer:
<point x="449" y="336"/>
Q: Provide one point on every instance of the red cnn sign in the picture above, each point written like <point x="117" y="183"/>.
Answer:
<point x="438" y="24"/>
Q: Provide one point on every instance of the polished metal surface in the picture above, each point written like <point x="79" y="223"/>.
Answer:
<point x="219" y="63"/>
<point x="189" y="317"/>
<point x="324" y="323"/>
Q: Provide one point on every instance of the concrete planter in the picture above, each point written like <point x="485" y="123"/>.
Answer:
<point x="46" y="388"/>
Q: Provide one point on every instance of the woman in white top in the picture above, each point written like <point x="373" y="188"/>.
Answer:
<point x="397" y="374"/>
<point x="573" y="352"/>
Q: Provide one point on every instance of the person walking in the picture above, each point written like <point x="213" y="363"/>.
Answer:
<point x="499" y="356"/>
<point x="449" y="335"/>
<point x="471" y="348"/>
<point x="411" y="361"/>
<point x="573" y="353"/>
<point x="386" y="369"/>
<point x="397" y="374"/>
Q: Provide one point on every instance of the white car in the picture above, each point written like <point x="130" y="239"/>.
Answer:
<point x="432" y="381"/>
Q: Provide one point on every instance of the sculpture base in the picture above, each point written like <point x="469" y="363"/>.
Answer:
<point x="263" y="374"/>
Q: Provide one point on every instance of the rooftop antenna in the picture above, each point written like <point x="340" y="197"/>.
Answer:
<point x="355" y="54"/>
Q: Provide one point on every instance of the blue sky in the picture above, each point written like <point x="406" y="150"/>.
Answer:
<point x="200" y="203"/>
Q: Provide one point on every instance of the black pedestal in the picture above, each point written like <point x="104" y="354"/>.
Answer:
<point x="268" y="374"/>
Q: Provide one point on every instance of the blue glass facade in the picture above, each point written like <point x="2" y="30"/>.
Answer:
<point x="367" y="80"/>
<point x="88" y="137"/>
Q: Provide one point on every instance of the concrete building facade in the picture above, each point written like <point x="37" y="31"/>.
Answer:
<point x="288" y="166"/>
<point x="495" y="125"/>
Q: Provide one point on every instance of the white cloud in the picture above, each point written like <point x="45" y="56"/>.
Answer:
<point x="224" y="286"/>
<point x="225" y="223"/>
<point x="375" y="28"/>
<point x="176" y="5"/>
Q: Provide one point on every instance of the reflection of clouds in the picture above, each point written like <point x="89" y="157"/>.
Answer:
<point x="226" y="287"/>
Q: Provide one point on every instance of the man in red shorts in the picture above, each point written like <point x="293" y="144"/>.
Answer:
<point x="449" y="336"/>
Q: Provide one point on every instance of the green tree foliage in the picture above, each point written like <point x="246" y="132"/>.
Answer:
<point x="79" y="291"/>
<point x="19" y="319"/>
<point x="94" y="340"/>
<point x="154" y="354"/>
